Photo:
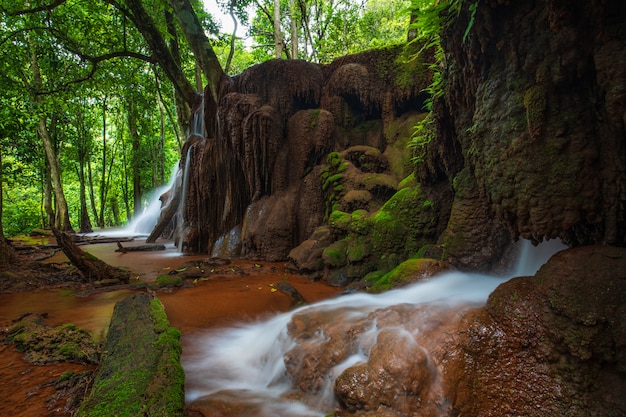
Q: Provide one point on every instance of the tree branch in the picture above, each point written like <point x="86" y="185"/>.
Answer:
<point x="43" y="8"/>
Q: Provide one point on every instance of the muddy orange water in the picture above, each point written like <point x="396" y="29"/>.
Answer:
<point x="241" y="291"/>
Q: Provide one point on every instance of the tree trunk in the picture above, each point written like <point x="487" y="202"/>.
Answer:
<point x="104" y="165"/>
<point x="278" y="37"/>
<point x="200" y="46"/>
<point x="166" y="215"/>
<point x="85" y="222"/>
<point x="48" y="215"/>
<point x="62" y="210"/>
<point x="294" y="30"/>
<point x="83" y="150"/>
<point x="233" y="36"/>
<point x="92" y="197"/>
<point x="6" y="252"/>
<point x="136" y="157"/>
<point x="91" y="268"/>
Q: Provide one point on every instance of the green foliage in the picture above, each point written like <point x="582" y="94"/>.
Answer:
<point x="424" y="133"/>
<point x="431" y="18"/>
<point x="326" y="30"/>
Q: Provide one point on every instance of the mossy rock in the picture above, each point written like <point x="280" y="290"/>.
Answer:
<point x="42" y="344"/>
<point x="166" y="281"/>
<point x="140" y="373"/>
<point x="357" y="250"/>
<point x="340" y="220"/>
<point x="409" y="271"/>
<point x="336" y="255"/>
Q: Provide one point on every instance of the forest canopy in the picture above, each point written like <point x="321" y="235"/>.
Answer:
<point x="97" y="94"/>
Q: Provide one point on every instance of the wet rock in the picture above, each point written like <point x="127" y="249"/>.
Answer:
<point x="556" y="341"/>
<point x="308" y="255"/>
<point x="396" y="374"/>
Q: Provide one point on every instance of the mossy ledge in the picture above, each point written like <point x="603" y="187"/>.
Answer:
<point x="140" y="372"/>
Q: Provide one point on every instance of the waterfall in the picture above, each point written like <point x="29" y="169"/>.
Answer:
<point x="257" y="363"/>
<point x="145" y="222"/>
<point x="196" y="127"/>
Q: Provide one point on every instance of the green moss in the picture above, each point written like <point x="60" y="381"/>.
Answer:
<point x="315" y="117"/>
<point x="141" y="373"/>
<point x="336" y="254"/>
<point x="334" y="159"/>
<point x="357" y="250"/>
<point x="169" y="281"/>
<point x="408" y="181"/>
<point x="398" y="275"/>
<point x="374" y="276"/>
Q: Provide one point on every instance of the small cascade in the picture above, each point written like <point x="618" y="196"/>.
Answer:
<point x="145" y="222"/>
<point x="196" y="127"/>
<point x="341" y="345"/>
<point x="530" y="258"/>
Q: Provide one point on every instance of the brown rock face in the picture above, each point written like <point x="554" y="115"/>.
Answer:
<point x="534" y="108"/>
<point x="276" y="122"/>
<point x="553" y="344"/>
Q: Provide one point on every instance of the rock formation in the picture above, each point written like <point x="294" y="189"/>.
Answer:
<point x="530" y="127"/>
<point x="310" y="162"/>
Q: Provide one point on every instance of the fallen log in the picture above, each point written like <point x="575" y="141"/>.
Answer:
<point x="140" y="372"/>
<point x="91" y="268"/>
<point x="140" y="248"/>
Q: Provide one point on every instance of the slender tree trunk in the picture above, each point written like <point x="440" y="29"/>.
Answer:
<point x="135" y="156"/>
<point x="278" y="36"/>
<point x="6" y="253"/>
<point x="62" y="211"/>
<point x="92" y="197"/>
<point x="125" y="190"/>
<point x="83" y="150"/>
<point x="294" y="30"/>
<point x="85" y="222"/>
<point x="233" y="36"/>
<point x="48" y="214"/>
<point x="104" y="164"/>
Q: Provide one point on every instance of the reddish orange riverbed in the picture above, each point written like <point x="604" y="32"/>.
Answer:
<point x="241" y="291"/>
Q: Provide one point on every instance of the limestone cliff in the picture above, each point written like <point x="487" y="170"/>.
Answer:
<point x="531" y="125"/>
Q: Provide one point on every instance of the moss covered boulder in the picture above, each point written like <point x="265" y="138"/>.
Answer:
<point x="409" y="271"/>
<point x="43" y="344"/>
<point x="140" y="372"/>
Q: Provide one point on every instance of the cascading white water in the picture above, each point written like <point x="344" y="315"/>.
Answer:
<point x="145" y="222"/>
<point x="248" y="362"/>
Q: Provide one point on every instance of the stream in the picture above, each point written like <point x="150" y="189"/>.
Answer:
<point x="223" y="316"/>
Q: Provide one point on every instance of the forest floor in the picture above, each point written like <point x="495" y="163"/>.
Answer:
<point x="236" y="290"/>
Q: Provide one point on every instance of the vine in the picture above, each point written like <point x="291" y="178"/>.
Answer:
<point x="430" y="18"/>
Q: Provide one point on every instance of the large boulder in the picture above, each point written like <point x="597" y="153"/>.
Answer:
<point x="555" y="342"/>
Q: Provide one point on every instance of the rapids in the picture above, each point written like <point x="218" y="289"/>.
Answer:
<point x="289" y="365"/>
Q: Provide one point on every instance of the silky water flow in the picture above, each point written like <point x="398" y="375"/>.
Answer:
<point x="256" y="363"/>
